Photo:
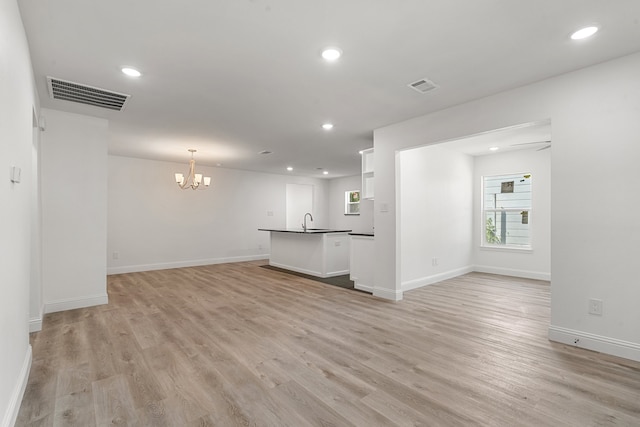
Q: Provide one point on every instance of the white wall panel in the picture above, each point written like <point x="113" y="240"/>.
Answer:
<point x="74" y="210"/>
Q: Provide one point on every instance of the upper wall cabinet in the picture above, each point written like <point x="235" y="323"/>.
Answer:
<point x="367" y="174"/>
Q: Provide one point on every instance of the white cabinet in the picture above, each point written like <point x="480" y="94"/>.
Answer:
<point x="361" y="259"/>
<point x="367" y="174"/>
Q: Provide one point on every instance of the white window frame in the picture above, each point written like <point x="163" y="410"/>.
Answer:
<point x="348" y="203"/>
<point x="484" y="210"/>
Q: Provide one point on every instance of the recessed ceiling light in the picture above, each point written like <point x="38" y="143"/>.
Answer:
<point x="289" y="168"/>
<point x="327" y="126"/>
<point x="494" y="148"/>
<point x="331" y="53"/>
<point x="583" y="33"/>
<point x="361" y="151"/>
<point x="325" y="173"/>
<point x="132" y="72"/>
<point x="266" y="152"/>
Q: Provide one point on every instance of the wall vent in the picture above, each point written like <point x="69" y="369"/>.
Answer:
<point x="423" y="85"/>
<point x="83" y="94"/>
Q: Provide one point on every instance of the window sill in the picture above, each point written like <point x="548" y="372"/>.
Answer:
<point x="513" y="249"/>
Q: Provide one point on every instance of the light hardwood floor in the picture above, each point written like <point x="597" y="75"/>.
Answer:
<point x="237" y="344"/>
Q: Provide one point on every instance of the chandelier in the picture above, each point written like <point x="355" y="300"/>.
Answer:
<point x="193" y="179"/>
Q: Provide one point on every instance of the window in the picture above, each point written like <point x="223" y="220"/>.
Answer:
<point x="352" y="203"/>
<point x="506" y="212"/>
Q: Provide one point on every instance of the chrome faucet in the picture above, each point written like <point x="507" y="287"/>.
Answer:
<point x="304" y="224"/>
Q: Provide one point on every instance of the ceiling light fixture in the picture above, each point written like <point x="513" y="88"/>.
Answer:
<point x="325" y="173"/>
<point x="193" y="179"/>
<point x="583" y="33"/>
<point x="289" y="168"/>
<point x="331" y="53"/>
<point x="494" y="148"/>
<point x="327" y="126"/>
<point x="132" y="72"/>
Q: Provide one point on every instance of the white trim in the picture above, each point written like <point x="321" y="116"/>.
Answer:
<point x="73" y="303"/>
<point x="430" y="280"/>
<point x="35" y="324"/>
<point x="613" y="346"/>
<point x="394" y="295"/>
<point x="181" y="264"/>
<point x="506" y="248"/>
<point x="537" y="275"/>
<point x="308" y="272"/>
<point x="363" y="287"/>
<point x="13" y="408"/>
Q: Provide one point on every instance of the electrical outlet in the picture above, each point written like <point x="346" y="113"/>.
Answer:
<point x="595" y="307"/>
<point x="435" y="262"/>
<point x="260" y="247"/>
<point x="116" y="255"/>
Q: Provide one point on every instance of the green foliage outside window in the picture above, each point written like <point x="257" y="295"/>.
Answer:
<point x="490" y="232"/>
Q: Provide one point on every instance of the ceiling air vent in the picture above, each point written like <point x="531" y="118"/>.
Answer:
<point x="423" y="85"/>
<point x="76" y="92"/>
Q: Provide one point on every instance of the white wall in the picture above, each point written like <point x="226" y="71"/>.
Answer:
<point x="153" y="224"/>
<point x="74" y="210"/>
<point x="534" y="264"/>
<point x="594" y="229"/>
<point x="435" y="211"/>
<point x="299" y="202"/>
<point x="17" y="103"/>
<point x="362" y="223"/>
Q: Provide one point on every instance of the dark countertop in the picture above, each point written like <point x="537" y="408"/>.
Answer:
<point x="362" y="234"/>
<point x="301" y="231"/>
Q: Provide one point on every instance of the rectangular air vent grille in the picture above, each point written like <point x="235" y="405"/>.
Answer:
<point x="76" y="92"/>
<point x="423" y="85"/>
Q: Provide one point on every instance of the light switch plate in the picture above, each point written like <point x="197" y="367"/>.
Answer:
<point x="15" y="174"/>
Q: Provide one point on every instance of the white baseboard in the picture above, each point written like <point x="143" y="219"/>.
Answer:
<point x="537" y="275"/>
<point x="308" y="272"/>
<point x="73" y="303"/>
<point x="430" y="280"/>
<point x="613" y="346"/>
<point x="35" y="324"/>
<point x="363" y="287"/>
<point x="182" y="264"/>
<point x="11" y="415"/>
<point x="394" y="295"/>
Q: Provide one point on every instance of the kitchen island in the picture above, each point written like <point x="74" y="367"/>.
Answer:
<point x="317" y="252"/>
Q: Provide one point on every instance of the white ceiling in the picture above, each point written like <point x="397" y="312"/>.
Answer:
<point x="232" y="78"/>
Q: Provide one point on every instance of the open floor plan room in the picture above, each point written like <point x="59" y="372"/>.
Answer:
<point x="237" y="344"/>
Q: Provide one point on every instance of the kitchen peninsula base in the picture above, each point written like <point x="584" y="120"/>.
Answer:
<point x="320" y="253"/>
